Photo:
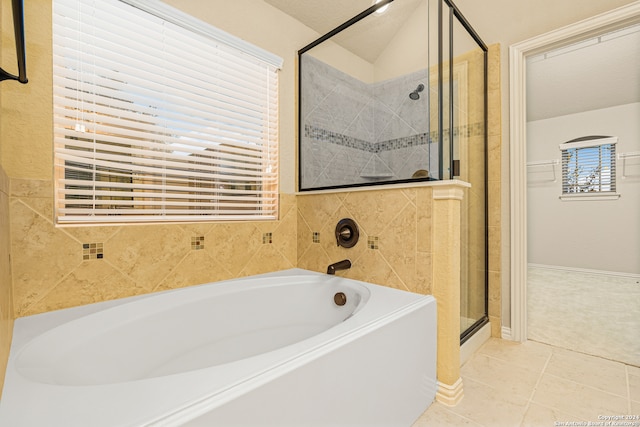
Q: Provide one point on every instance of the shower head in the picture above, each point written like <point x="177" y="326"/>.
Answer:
<point x="415" y="95"/>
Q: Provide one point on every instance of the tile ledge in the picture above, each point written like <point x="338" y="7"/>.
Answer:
<point x="436" y="184"/>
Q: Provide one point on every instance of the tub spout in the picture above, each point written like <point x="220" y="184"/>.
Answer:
<point x="340" y="265"/>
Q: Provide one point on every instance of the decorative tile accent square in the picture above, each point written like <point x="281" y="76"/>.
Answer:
<point x="316" y="237"/>
<point x="372" y="242"/>
<point x="92" y="251"/>
<point x="197" y="242"/>
<point x="267" y="238"/>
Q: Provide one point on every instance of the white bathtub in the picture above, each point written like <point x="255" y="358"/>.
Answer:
<point x="268" y="350"/>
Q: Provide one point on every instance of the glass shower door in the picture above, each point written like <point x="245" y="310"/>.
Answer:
<point x="462" y="71"/>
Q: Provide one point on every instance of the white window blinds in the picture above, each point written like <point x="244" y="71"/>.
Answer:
<point x="589" y="165"/>
<point x="160" y="117"/>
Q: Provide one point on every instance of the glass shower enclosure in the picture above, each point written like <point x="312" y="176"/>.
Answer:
<point x="395" y="95"/>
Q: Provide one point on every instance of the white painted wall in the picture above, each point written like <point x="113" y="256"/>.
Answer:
<point x="596" y="235"/>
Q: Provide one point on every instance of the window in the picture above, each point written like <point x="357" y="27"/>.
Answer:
<point x="160" y="117"/>
<point x="589" y="167"/>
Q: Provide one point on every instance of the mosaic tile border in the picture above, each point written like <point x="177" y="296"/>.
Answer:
<point x="331" y="137"/>
<point x="323" y="135"/>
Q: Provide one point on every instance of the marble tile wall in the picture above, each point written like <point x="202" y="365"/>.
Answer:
<point x="494" y="189"/>
<point x="6" y="307"/>
<point x="357" y="133"/>
<point x="50" y="271"/>
<point x="395" y="235"/>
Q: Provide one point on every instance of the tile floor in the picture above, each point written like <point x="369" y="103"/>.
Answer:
<point x="605" y="306"/>
<point x="533" y="384"/>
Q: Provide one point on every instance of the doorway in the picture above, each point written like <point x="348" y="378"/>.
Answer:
<point x="614" y="20"/>
<point x="583" y="196"/>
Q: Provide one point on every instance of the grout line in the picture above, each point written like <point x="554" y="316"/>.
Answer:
<point x="589" y="386"/>
<point x="154" y="288"/>
<point x="39" y="214"/>
<point x="471" y="420"/>
<point x="582" y="352"/>
<point x="25" y="312"/>
<point x="626" y="371"/>
<point x="535" y="387"/>
<point x="508" y="361"/>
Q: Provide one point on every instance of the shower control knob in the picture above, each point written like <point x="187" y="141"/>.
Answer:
<point x="347" y="233"/>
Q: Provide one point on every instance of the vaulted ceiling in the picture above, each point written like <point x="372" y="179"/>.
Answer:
<point x="367" y="41"/>
<point x="593" y="74"/>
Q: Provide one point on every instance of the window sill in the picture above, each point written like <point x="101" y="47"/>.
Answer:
<point x="590" y="196"/>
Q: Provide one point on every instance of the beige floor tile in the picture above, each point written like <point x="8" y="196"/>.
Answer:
<point x="593" y="371"/>
<point x="573" y="387"/>
<point x="634" y="387"/>
<point x="537" y="416"/>
<point x="438" y="415"/>
<point x="490" y="406"/>
<point x="633" y="370"/>
<point x="530" y="354"/>
<point x="500" y="374"/>
<point x="576" y="399"/>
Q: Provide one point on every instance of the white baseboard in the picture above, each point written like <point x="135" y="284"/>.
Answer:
<point x="585" y="270"/>
<point x="505" y="333"/>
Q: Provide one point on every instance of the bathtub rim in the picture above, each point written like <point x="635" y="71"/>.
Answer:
<point x="202" y="398"/>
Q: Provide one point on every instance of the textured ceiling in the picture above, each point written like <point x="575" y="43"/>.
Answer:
<point x="366" y="41"/>
<point x="321" y="15"/>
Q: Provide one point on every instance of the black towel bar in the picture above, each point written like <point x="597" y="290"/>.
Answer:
<point x="21" y="54"/>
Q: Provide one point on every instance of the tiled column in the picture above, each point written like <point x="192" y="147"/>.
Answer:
<point x="446" y="288"/>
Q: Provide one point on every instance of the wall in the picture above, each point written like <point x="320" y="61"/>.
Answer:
<point x="395" y="235"/>
<point x="497" y="181"/>
<point x="558" y="229"/>
<point x="6" y="308"/>
<point x="48" y="265"/>
<point x="506" y="22"/>
<point x="408" y="51"/>
<point x="50" y="272"/>
<point x="6" y="299"/>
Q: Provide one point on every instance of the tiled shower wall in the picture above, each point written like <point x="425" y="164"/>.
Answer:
<point x="6" y="308"/>
<point x="356" y="132"/>
<point x="56" y="268"/>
